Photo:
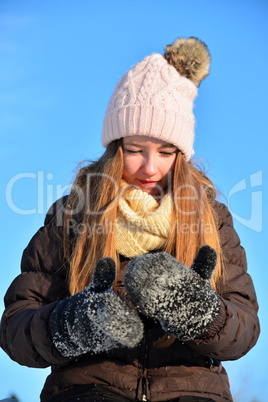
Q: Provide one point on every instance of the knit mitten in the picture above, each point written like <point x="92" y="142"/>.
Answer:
<point x="96" y="319"/>
<point x="177" y="296"/>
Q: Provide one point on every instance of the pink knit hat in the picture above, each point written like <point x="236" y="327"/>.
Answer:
<point x="155" y="98"/>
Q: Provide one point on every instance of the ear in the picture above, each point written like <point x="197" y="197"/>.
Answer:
<point x="205" y="262"/>
<point x="104" y="275"/>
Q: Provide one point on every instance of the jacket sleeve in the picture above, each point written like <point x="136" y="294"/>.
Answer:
<point x="30" y="299"/>
<point x="238" y="324"/>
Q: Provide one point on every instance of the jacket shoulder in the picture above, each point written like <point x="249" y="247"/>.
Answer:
<point x="44" y="252"/>
<point x="223" y="214"/>
<point x="55" y="214"/>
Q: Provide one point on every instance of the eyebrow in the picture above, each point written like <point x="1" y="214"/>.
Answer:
<point x="168" y="146"/>
<point x="137" y="144"/>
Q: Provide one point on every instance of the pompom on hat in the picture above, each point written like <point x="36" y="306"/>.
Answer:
<point x="155" y="97"/>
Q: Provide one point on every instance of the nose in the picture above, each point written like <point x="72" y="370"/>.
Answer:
<point x="149" y="166"/>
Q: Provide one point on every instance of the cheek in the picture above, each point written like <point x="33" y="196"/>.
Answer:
<point x="169" y="165"/>
<point x="129" y="167"/>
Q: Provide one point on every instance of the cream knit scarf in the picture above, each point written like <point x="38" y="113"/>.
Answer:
<point x="142" y="224"/>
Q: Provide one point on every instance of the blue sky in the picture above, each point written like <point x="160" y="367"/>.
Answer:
<point x="59" y="63"/>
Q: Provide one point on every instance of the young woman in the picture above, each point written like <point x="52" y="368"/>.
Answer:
<point x="136" y="287"/>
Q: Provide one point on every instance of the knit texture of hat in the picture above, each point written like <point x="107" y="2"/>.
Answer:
<point x="154" y="99"/>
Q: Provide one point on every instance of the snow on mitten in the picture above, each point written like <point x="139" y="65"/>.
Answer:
<point x="177" y="296"/>
<point x="96" y="319"/>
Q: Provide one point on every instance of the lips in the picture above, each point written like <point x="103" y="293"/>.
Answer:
<point x="152" y="187"/>
<point x="148" y="182"/>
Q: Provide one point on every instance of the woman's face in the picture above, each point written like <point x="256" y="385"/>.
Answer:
<point x="148" y="162"/>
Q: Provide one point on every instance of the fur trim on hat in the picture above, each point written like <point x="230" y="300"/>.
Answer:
<point x="190" y="57"/>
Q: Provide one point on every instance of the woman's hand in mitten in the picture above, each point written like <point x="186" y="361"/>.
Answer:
<point x="95" y="319"/>
<point x="177" y="296"/>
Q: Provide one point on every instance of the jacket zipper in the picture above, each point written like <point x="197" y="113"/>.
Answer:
<point x="144" y="396"/>
<point x="143" y="366"/>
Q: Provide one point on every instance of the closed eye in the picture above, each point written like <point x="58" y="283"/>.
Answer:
<point x="167" y="153"/>
<point x="131" y="151"/>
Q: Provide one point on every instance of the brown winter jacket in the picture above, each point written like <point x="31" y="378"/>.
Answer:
<point x="190" y="368"/>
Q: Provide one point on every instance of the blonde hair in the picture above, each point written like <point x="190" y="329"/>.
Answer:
<point x="97" y="185"/>
<point x="194" y="221"/>
<point x="96" y="188"/>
